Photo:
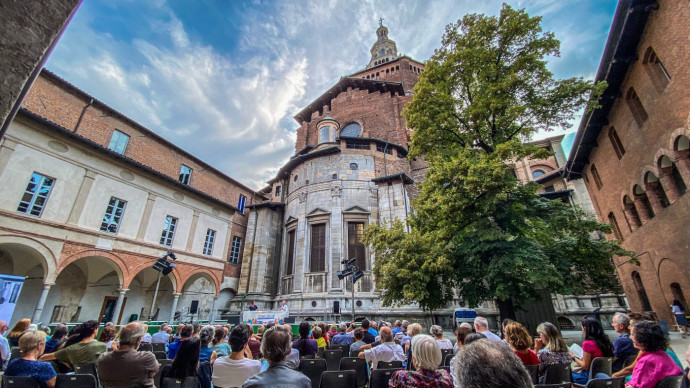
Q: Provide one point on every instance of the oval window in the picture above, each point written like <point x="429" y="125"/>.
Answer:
<point x="537" y="173"/>
<point x="353" y="166"/>
<point x="295" y="178"/>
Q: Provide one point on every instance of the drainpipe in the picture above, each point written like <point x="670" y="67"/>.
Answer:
<point x="385" y="165"/>
<point x="81" y="116"/>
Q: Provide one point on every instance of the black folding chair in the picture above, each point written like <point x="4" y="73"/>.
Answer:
<point x="145" y="347"/>
<point x="343" y="347"/>
<point x="380" y="377"/>
<point x="670" y="382"/>
<point x="19" y="382"/>
<point x="15" y="353"/>
<point x="319" y="352"/>
<point x="76" y="381"/>
<point x="562" y="385"/>
<point x="313" y="368"/>
<point x="157" y="377"/>
<point x="558" y="374"/>
<point x="533" y="373"/>
<point x="446" y="360"/>
<point x="158" y="347"/>
<point x="598" y="365"/>
<point x="616" y="382"/>
<point x="358" y="365"/>
<point x="445" y="353"/>
<point x="332" y="357"/>
<point x="354" y="353"/>
<point x="389" y="365"/>
<point x="340" y="379"/>
<point x="189" y="382"/>
<point x="160" y="355"/>
<point x="87" y="369"/>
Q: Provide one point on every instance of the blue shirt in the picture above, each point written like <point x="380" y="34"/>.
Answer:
<point x="205" y="354"/>
<point x="373" y="332"/>
<point x="173" y="348"/>
<point x="41" y="371"/>
<point x="343" y="339"/>
<point x="622" y="349"/>
<point x="160" y="338"/>
<point x="397" y="330"/>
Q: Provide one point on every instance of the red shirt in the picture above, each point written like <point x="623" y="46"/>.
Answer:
<point x="529" y="358"/>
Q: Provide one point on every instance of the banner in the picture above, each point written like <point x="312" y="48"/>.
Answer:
<point x="10" y="287"/>
<point x="264" y="317"/>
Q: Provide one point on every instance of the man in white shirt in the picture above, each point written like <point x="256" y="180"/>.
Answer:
<point x="283" y="306"/>
<point x="4" y="345"/>
<point x="387" y="351"/>
<point x="235" y="369"/>
<point x="481" y="325"/>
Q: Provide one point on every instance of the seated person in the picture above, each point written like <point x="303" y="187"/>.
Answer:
<point x="317" y="332"/>
<point x="32" y="344"/>
<point x="653" y="364"/>
<point x="622" y="346"/>
<point x="305" y="346"/>
<point x="235" y="369"/>
<point x="520" y="341"/>
<point x="359" y="341"/>
<point x="426" y="357"/>
<point x="550" y="347"/>
<point x="342" y="338"/>
<point x="126" y="366"/>
<point x="387" y="351"/>
<point x="275" y="347"/>
<point x="186" y="362"/>
<point x="489" y="364"/>
<point x="597" y="344"/>
<point x="81" y="346"/>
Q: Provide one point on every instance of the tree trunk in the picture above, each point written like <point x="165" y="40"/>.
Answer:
<point x="506" y="310"/>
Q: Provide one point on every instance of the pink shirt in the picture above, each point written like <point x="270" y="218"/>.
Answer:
<point x="592" y="348"/>
<point x="651" y="368"/>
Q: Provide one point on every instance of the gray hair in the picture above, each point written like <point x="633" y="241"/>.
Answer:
<point x="405" y="323"/>
<point x="342" y="328"/>
<point x="466" y="324"/>
<point x="481" y="322"/>
<point x="436" y="331"/>
<point x="426" y="352"/>
<point x="621" y="319"/>
<point x="489" y="364"/>
<point x="206" y="335"/>
<point x="130" y="334"/>
<point x="275" y="344"/>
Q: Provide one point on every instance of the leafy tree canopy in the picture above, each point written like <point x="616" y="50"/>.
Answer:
<point x="475" y="227"/>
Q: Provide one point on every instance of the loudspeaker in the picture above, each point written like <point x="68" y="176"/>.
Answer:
<point x="336" y="307"/>
<point x="193" y="308"/>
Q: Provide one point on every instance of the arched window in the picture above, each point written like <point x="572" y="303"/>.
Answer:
<point x="631" y="213"/>
<point x="614" y="226"/>
<point x="351" y="130"/>
<point x="644" y="207"/>
<point x="671" y="179"/>
<point x="677" y="293"/>
<point x="616" y="143"/>
<point x="595" y="176"/>
<point x="537" y="173"/>
<point x="655" y="190"/>
<point x="636" y="107"/>
<point x="655" y="69"/>
<point x="641" y="293"/>
<point x="323" y="134"/>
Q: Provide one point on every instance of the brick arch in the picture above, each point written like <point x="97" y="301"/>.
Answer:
<point x="644" y="170"/>
<point x="203" y="271"/>
<point x="120" y="266"/>
<point x="663" y="152"/>
<point x="683" y="131"/>
<point x="49" y="262"/>
<point x="670" y="272"/>
<point x="135" y="270"/>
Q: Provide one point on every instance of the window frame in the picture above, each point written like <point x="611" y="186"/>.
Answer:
<point x="31" y="204"/>
<point x="363" y="264"/>
<point x="113" y="214"/>
<point x="241" y="203"/>
<point x="321" y="248"/>
<point x="616" y="143"/>
<point x="235" y="250"/>
<point x="290" y="254"/>
<point x="169" y="231"/>
<point x="114" y="146"/>
<point x="595" y="175"/>
<point x="185" y="174"/>
<point x="209" y="242"/>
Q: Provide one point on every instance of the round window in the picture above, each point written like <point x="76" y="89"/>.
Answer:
<point x="359" y="303"/>
<point x="313" y="303"/>
<point x="353" y="166"/>
<point x="295" y="178"/>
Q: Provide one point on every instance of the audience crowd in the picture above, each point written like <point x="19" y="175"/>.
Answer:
<point x="224" y="356"/>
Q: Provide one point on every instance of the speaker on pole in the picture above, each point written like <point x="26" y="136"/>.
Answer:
<point x="336" y="307"/>
<point x="193" y="308"/>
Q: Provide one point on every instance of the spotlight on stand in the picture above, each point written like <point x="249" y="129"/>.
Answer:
<point x="357" y="275"/>
<point x="348" y="262"/>
<point x="344" y="273"/>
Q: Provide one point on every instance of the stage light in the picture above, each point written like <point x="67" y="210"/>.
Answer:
<point x="357" y="275"/>
<point x="344" y="273"/>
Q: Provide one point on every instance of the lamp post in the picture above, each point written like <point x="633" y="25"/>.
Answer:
<point x="164" y="267"/>
<point x="352" y="271"/>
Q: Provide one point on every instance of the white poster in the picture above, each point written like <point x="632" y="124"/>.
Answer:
<point x="10" y="287"/>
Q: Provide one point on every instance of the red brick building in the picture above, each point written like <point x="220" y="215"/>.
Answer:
<point x="633" y="153"/>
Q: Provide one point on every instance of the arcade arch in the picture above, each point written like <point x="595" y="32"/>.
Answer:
<point x="197" y="300"/>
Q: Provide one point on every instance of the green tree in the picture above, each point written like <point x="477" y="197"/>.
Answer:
<point x="476" y="228"/>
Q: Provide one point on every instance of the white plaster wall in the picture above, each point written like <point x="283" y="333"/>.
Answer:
<point x="102" y="190"/>
<point x="204" y="223"/>
<point x="163" y="208"/>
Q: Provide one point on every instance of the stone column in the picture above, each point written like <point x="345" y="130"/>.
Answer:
<point x="655" y="196"/>
<point x="146" y="216"/>
<point x="192" y="231"/>
<point x="82" y="196"/>
<point x="642" y="208"/>
<point x="118" y="305"/>
<point x="669" y="184"/>
<point x="41" y="302"/>
<point x="176" y="298"/>
<point x="211" y="314"/>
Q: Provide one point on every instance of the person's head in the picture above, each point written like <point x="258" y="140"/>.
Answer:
<point x="253" y="303"/>
<point x="397" y="323"/>
<point x="187" y="359"/>
<point x="551" y="336"/>
<point x="180" y="326"/>
<point x="239" y="336"/>
<point x="317" y="332"/>
<point x="374" y="325"/>
<point x="164" y="327"/>
<point x="46" y="329"/>
<point x="32" y="341"/>
<point x="405" y="324"/>
<point x="60" y="332"/>
<point x="649" y="336"/>
<point x="3" y="327"/>
<point x="414" y="329"/>
<point x="436" y="331"/>
<point x="461" y="333"/>
<point x="593" y="331"/>
<point x="386" y="334"/>
<point x="473" y="337"/>
<point x="359" y="334"/>
<point x="481" y="324"/>
<point x="303" y="330"/>
<point x="107" y="334"/>
<point x="466" y="325"/>
<point x="490" y="364"/>
<point x="206" y="335"/>
<point x="261" y="329"/>
<point x="620" y="323"/>
<point x="196" y="329"/>
<point x="342" y="328"/>
<point x="282" y="302"/>
<point x="218" y="335"/>
<point x="517" y="336"/>
<point x="505" y="322"/>
<point x="186" y="331"/>
<point x="365" y="323"/>
<point x="20" y="327"/>
<point x="132" y="334"/>
<point x="168" y="330"/>
<point x="275" y="345"/>
<point x="426" y="353"/>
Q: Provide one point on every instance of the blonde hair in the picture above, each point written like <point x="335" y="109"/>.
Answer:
<point x="517" y="336"/>
<point x="414" y="329"/>
<point x="426" y="352"/>
<point x="30" y="341"/>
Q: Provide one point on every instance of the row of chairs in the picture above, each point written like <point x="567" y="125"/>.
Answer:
<point x="62" y="381"/>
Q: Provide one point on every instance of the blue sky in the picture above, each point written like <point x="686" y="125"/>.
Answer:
<point x="222" y="79"/>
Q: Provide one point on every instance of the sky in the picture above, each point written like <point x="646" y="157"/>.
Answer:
<point x="222" y="79"/>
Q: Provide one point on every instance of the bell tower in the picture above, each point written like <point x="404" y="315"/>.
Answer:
<point x="384" y="50"/>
